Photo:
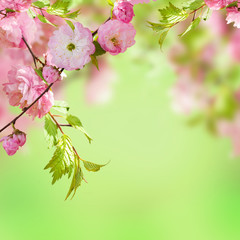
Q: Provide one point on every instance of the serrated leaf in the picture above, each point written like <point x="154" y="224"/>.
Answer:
<point x="61" y="106"/>
<point x="41" y="3"/>
<point x="157" y="27"/>
<point x="63" y="160"/>
<point x="76" y="123"/>
<point x="162" y="37"/>
<point x="233" y="4"/>
<point x="94" y="61"/>
<point x="8" y="10"/>
<point x="39" y="73"/>
<point x="76" y="180"/>
<point x="172" y="15"/>
<point x="92" y="167"/>
<point x="45" y="20"/>
<point x="192" y="26"/>
<point x="70" y="24"/>
<point x="60" y="7"/>
<point x="50" y="132"/>
<point x="98" y="49"/>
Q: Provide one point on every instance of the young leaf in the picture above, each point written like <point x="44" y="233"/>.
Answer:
<point x="192" y="26"/>
<point x="60" y="7"/>
<point x="92" y="167"/>
<point x="61" y="107"/>
<point x="162" y="38"/>
<point x="72" y="15"/>
<point x="157" y="27"/>
<point x="39" y="73"/>
<point x="98" y="49"/>
<point x="63" y="160"/>
<point x="94" y="61"/>
<point x="44" y="20"/>
<point x="41" y="3"/>
<point x="77" y="178"/>
<point x="171" y="15"/>
<point x="110" y="3"/>
<point x="70" y="24"/>
<point x="76" y="123"/>
<point x="195" y="4"/>
<point x="50" y="131"/>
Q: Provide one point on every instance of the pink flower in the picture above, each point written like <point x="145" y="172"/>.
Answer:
<point x="43" y="105"/>
<point x="12" y="142"/>
<point x="115" y="36"/>
<point x="51" y="74"/>
<point x="19" y="88"/>
<point x="14" y="27"/>
<point x="217" y="4"/>
<point x="123" y="11"/>
<point x="18" y="5"/>
<point x="233" y="15"/>
<point x="24" y="87"/>
<point x="70" y="49"/>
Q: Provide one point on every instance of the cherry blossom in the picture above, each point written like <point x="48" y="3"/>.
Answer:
<point x="71" y="49"/>
<point x="115" y="36"/>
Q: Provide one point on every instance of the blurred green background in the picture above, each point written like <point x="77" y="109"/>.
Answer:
<point x="165" y="180"/>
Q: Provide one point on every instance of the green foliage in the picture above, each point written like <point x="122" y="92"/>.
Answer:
<point x="60" y="7"/>
<point x="50" y="131"/>
<point x="98" y="49"/>
<point x="92" y="167"/>
<point x="77" y="124"/>
<point x="192" y="26"/>
<point x="41" y="3"/>
<point x="110" y="3"/>
<point x="95" y="62"/>
<point x="70" y="24"/>
<point x="172" y="15"/>
<point x="63" y="160"/>
<point x="45" y="20"/>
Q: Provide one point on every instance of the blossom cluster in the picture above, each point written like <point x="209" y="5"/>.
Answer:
<point x="232" y="7"/>
<point x="45" y="51"/>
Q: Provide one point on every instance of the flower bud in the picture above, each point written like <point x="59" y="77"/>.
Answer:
<point x="51" y="74"/>
<point x="123" y="11"/>
<point x="12" y="142"/>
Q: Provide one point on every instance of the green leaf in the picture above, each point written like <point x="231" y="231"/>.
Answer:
<point x="94" y="61"/>
<point x="162" y="38"/>
<point x="157" y="27"/>
<point x="61" y="106"/>
<point x="76" y="180"/>
<point x="172" y="15"/>
<point x="70" y="24"/>
<point x="39" y="73"/>
<point x="98" y="49"/>
<point x="60" y="7"/>
<point x="8" y="10"/>
<point x="192" y="26"/>
<point x="196" y="4"/>
<point x="233" y="4"/>
<point x="92" y="167"/>
<point x="50" y="132"/>
<point x="63" y="160"/>
<point x="110" y="3"/>
<point x="41" y="3"/>
<point x="44" y="20"/>
<point x="72" y="15"/>
<point x="76" y="123"/>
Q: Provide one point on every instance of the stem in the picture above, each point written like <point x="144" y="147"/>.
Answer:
<point x="30" y="50"/>
<point x="26" y="109"/>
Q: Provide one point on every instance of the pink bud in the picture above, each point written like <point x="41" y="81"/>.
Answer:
<point x="123" y="11"/>
<point x="12" y="142"/>
<point x="51" y="74"/>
